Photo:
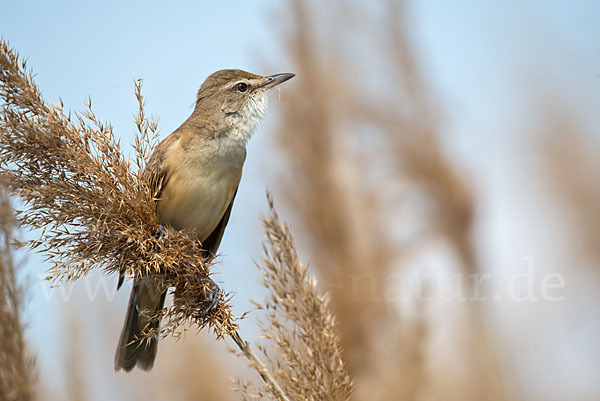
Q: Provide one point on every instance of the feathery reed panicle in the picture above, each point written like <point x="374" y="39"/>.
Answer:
<point x="17" y="375"/>
<point x="306" y="355"/>
<point x="93" y="209"/>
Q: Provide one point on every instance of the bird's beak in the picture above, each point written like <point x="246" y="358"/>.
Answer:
<point x="274" y="80"/>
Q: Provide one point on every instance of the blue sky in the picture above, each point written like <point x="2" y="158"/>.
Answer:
<point x="473" y="51"/>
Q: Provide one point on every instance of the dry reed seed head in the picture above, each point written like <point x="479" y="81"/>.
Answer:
<point x="93" y="210"/>
<point x="304" y="353"/>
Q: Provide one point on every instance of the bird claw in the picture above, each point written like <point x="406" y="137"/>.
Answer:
<point x="210" y="302"/>
<point x="162" y="232"/>
<point x="161" y="235"/>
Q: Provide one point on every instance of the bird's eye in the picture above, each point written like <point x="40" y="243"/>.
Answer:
<point x="242" y="87"/>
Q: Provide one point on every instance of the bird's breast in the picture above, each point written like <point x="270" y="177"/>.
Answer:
<point x="196" y="197"/>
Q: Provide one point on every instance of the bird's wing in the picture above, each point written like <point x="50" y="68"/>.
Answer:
<point x="211" y="244"/>
<point x="156" y="174"/>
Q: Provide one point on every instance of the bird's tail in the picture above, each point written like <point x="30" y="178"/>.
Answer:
<point x="146" y="299"/>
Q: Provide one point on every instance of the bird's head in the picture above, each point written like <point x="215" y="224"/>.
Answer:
<point x="237" y="97"/>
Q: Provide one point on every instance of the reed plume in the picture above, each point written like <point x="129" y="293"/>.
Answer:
<point x="303" y="351"/>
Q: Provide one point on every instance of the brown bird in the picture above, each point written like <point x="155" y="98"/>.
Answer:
<point x="194" y="173"/>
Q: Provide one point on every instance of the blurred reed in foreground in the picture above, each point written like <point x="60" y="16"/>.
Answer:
<point x="570" y="163"/>
<point x="17" y="370"/>
<point x="365" y="153"/>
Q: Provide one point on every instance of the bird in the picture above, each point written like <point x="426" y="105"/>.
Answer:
<point x="194" y="174"/>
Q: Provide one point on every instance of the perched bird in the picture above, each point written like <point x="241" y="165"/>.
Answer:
<point x="194" y="174"/>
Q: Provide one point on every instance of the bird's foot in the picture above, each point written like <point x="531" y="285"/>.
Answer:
<point x="162" y="232"/>
<point x="161" y="235"/>
<point x="210" y="301"/>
